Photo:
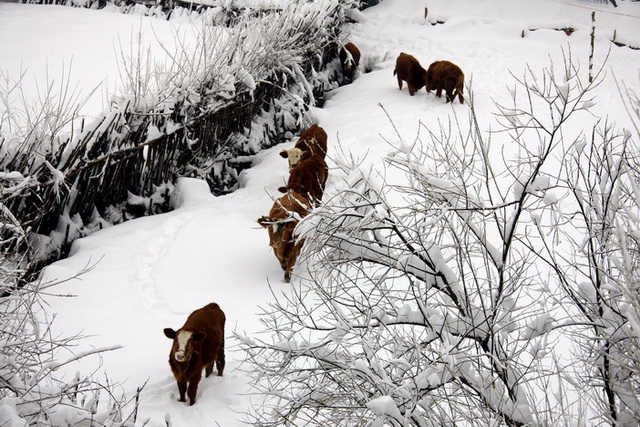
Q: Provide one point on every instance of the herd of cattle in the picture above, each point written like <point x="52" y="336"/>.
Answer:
<point x="308" y="174"/>
<point x="307" y="168"/>
<point x="441" y="75"/>
<point x="199" y="344"/>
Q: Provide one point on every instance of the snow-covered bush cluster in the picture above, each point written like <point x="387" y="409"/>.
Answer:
<point x="31" y="392"/>
<point x="456" y="293"/>
<point x="247" y="84"/>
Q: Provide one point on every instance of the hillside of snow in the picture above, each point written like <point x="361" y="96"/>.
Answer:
<point x="150" y="273"/>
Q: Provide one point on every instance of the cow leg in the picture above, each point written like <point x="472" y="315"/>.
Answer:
<point x="449" y="95"/>
<point x="193" y="389"/>
<point x="220" y="359"/>
<point x="208" y="369"/>
<point x="292" y="262"/>
<point x="412" y="90"/>
<point x="449" y="86"/>
<point x="182" y="389"/>
<point x="399" y="83"/>
<point x="439" y="92"/>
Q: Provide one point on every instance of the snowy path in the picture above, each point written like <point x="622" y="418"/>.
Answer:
<point x="152" y="272"/>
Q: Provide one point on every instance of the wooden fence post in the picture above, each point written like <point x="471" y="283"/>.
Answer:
<point x="593" y="42"/>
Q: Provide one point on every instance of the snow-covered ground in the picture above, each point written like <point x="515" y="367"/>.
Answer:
<point x="47" y="44"/>
<point x="150" y="273"/>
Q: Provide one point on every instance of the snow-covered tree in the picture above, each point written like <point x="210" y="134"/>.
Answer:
<point x="592" y="246"/>
<point x="32" y="391"/>
<point x="438" y="296"/>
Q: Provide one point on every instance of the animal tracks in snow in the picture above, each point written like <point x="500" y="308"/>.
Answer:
<point x="147" y="264"/>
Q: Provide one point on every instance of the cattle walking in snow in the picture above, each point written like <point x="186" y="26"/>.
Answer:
<point x="349" y="60"/>
<point x="308" y="178"/>
<point x="198" y="345"/>
<point x="308" y="174"/>
<point x="285" y="214"/>
<point x="447" y="76"/>
<point x="312" y="142"/>
<point x="408" y="69"/>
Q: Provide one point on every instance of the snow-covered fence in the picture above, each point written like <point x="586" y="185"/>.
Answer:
<point x="241" y="89"/>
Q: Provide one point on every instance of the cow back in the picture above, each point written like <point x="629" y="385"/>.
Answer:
<point x="313" y="142"/>
<point x="210" y="320"/>
<point x="408" y="68"/>
<point x="441" y="72"/>
<point x="308" y="178"/>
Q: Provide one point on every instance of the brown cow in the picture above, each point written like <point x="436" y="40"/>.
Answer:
<point x="448" y="76"/>
<point x="409" y="69"/>
<point x="308" y="178"/>
<point x="312" y="142"/>
<point x="197" y="345"/>
<point x="281" y="222"/>
<point x="349" y="59"/>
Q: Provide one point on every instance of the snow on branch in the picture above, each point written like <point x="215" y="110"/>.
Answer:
<point x="439" y="295"/>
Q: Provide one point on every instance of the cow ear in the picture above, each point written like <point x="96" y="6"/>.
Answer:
<point x="198" y="336"/>
<point x="284" y="154"/>
<point x="283" y="189"/>
<point x="170" y="333"/>
<point x="263" y="220"/>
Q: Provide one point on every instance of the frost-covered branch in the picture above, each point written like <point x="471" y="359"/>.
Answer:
<point x="598" y="266"/>
<point x="31" y="390"/>
<point x="429" y="298"/>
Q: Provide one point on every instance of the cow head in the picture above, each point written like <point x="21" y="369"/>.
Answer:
<point x="429" y="84"/>
<point x="348" y="64"/>
<point x="293" y="155"/>
<point x="280" y="230"/>
<point x="183" y="343"/>
<point x="419" y="77"/>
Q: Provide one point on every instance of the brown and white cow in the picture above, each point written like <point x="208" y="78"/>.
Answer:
<point x="285" y="214"/>
<point x="408" y="69"/>
<point x="198" y="345"/>
<point x="312" y="142"/>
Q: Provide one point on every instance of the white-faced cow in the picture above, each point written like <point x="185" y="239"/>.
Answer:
<point x="198" y="345"/>
<point x="312" y="142"/>
<point x="308" y="179"/>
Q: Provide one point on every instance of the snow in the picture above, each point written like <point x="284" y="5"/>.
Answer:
<point x="9" y="415"/>
<point x="384" y="406"/>
<point x="150" y="273"/>
<point x="88" y="44"/>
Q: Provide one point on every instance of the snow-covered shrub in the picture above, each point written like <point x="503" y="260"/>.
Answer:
<point x="437" y="296"/>
<point x="31" y="390"/>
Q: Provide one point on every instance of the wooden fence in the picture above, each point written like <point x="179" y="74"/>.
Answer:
<point x="115" y="157"/>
